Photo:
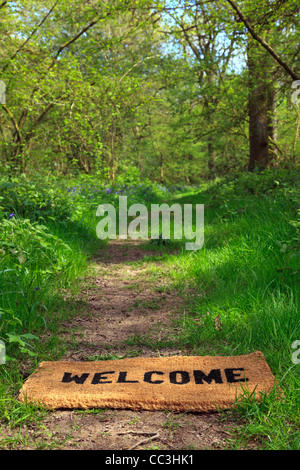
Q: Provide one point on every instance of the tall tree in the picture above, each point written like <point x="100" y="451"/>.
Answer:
<point x="264" y="25"/>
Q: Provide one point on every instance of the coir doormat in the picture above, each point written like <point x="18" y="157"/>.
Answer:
<point x="179" y="383"/>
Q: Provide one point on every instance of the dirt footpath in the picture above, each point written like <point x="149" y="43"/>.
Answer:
<point x="130" y="307"/>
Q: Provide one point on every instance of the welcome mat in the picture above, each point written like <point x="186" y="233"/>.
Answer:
<point x="178" y="383"/>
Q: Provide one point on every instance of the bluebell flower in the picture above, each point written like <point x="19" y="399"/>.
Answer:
<point x="108" y="190"/>
<point x="11" y="216"/>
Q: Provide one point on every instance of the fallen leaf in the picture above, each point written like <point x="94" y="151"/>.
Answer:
<point x="218" y="323"/>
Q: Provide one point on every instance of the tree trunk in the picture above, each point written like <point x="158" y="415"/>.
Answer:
<point x="261" y="107"/>
<point x="210" y="103"/>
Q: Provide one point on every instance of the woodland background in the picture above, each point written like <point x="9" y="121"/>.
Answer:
<point x="176" y="91"/>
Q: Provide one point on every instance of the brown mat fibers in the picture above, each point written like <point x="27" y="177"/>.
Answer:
<point x="178" y="383"/>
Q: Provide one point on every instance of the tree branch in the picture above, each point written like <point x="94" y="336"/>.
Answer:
<point x="136" y="65"/>
<point x="61" y="48"/>
<point x="263" y="43"/>
<point x="74" y="38"/>
<point x="29" y="37"/>
<point x="15" y="124"/>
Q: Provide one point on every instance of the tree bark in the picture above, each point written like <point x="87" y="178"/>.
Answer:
<point x="261" y="107"/>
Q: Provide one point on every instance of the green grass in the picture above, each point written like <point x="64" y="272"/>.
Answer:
<point x="45" y="250"/>
<point x="247" y="284"/>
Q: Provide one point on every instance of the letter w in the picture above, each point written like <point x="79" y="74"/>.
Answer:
<point x="67" y="378"/>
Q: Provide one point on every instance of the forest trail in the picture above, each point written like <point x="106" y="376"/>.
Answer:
<point x="124" y="302"/>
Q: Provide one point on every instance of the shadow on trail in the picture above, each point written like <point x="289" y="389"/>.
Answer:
<point x="131" y="251"/>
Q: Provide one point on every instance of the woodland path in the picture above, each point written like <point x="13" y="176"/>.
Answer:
<point x="128" y="297"/>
